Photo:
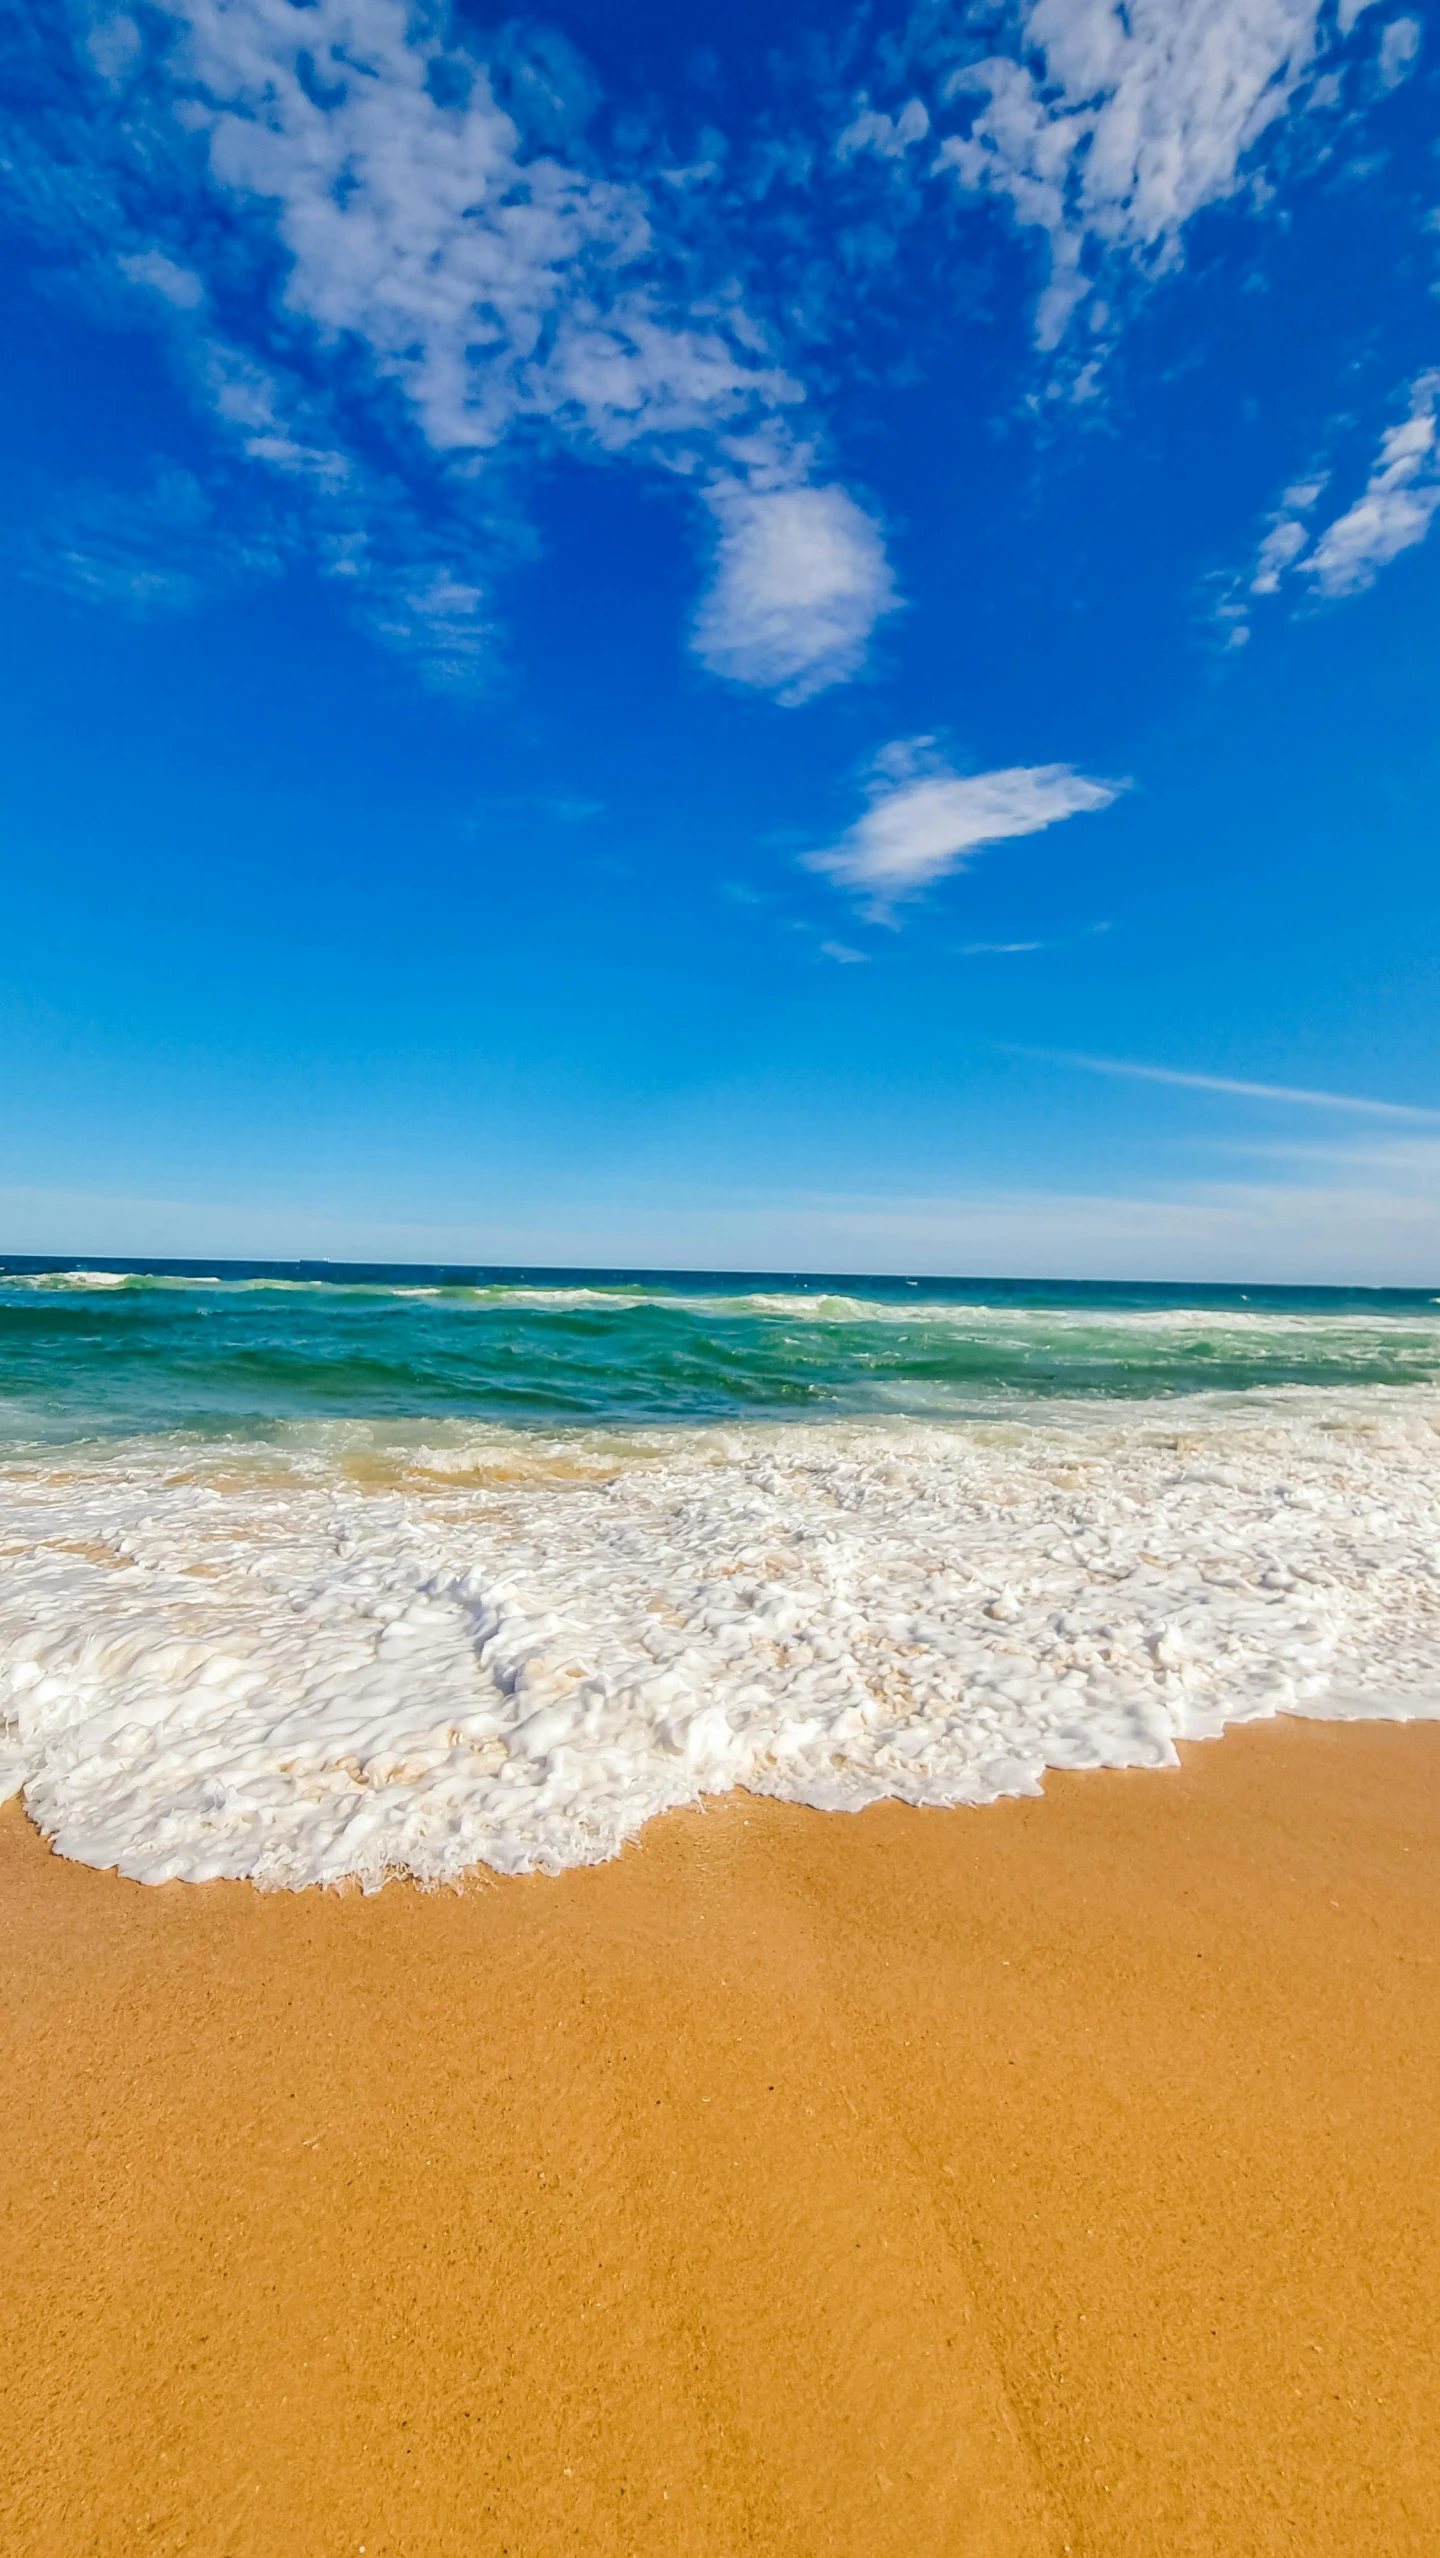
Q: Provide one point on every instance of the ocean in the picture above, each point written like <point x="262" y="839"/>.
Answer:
<point x="316" y="1574"/>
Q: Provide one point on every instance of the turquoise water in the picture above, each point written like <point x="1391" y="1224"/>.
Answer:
<point x="227" y="1347"/>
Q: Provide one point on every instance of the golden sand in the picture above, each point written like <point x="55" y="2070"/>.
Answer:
<point x="1058" y="2177"/>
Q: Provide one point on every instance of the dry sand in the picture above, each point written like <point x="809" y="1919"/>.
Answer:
<point x="1061" y="2176"/>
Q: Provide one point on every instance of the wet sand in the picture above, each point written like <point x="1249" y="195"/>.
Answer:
<point x="1059" y="2177"/>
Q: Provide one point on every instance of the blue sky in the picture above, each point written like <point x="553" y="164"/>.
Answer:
<point x="719" y="636"/>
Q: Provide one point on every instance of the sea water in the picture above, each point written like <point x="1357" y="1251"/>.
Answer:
<point x="313" y="1574"/>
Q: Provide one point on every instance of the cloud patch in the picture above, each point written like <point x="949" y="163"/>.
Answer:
<point x="1395" y="509"/>
<point x="924" y="820"/>
<point x="395" y="275"/>
<point x="1392" y="513"/>
<point x="1109" y="128"/>
<point x="800" y="580"/>
<point x="1399" y="51"/>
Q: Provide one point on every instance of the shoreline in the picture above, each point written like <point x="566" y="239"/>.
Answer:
<point x="521" y="1659"/>
<point x="1056" y="2176"/>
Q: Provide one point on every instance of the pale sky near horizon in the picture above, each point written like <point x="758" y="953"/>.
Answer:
<point x="646" y="642"/>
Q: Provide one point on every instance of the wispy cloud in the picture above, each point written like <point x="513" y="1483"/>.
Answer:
<point x="889" y="137"/>
<point x="488" y="283"/>
<point x="1108" y="129"/>
<point x="361" y="250"/>
<point x="1393" y="512"/>
<point x="924" y="819"/>
<point x="1297" y="1094"/>
<point x="1287" y="534"/>
<point x="1395" y="509"/>
<point x="553" y="808"/>
<point x="159" y="549"/>
<point x="399" y="264"/>
<point x="1104" y="130"/>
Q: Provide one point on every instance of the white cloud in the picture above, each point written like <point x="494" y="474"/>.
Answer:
<point x="889" y="137"/>
<point x="500" y="291"/>
<point x="1392" y="513"/>
<point x="1395" y="509"/>
<point x="457" y="289"/>
<point x="1132" y="120"/>
<point x="174" y="284"/>
<point x="800" y="581"/>
<point x="923" y="819"/>
<point x="452" y="282"/>
<point x="1282" y="545"/>
<point x="490" y="284"/>
<point x="1399" y="51"/>
<point x="1287" y="535"/>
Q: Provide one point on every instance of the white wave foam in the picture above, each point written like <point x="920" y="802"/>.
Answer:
<point x="1412" y="1326"/>
<point x="298" y="1667"/>
<point x="69" y="1279"/>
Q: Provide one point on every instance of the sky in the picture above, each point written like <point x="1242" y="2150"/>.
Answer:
<point x="723" y="637"/>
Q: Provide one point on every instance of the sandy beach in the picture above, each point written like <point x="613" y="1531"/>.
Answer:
<point x="1056" y="2177"/>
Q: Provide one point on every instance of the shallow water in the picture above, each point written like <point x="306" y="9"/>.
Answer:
<point x="317" y="1576"/>
<point x="243" y="1347"/>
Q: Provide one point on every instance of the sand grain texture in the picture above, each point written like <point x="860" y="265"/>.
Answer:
<point x="1059" y="2177"/>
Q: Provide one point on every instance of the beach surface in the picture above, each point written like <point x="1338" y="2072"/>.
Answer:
<point x="1062" y="2176"/>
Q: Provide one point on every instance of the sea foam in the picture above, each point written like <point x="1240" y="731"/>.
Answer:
<point x="356" y="1657"/>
